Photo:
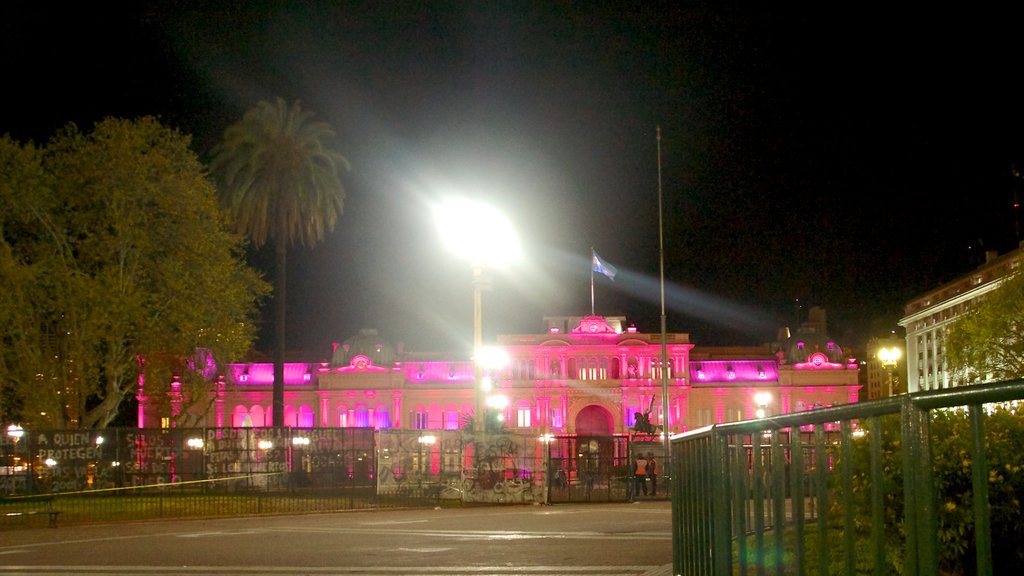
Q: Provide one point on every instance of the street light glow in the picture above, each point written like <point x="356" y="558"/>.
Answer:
<point x="483" y="236"/>
<point x="762" y="399"/>
<point x="476" y="232"/>
<point x="497" y="402"/>
<point x="491" y="357"/>
<point x="889" y="356"/>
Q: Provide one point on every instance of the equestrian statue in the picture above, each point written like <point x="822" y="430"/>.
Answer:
<point x="642" y="421"/>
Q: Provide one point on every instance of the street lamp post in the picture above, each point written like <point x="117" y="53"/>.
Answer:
<point x="15" y="432"/>
<point x="889" y="357"/>
<point x="762" y="399"/>
<point x="481" y="235"/>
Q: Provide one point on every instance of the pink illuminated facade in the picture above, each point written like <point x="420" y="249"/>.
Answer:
<point x="587" y="377"/>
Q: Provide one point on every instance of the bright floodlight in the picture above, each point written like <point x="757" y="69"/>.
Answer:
<point x="476" y="232"/>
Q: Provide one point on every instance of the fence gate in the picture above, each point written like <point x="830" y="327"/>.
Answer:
<point x="588" y="468"/>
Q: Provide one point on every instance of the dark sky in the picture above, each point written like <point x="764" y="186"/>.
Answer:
<point x="846" y="156"/>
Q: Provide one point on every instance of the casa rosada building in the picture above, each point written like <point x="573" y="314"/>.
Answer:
<point x="584" y="376"/>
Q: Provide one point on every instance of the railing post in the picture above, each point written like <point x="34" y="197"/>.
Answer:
<point x="796" y="495"/>
<point x="779" y="498"/>
<point x="979" y="485"/>
<point x="720" y="485"/>
<point x="821" y="485"/>
<point x="877" y="501"/>
<point x="921" y="554"/>
<point x="846" y="460"/>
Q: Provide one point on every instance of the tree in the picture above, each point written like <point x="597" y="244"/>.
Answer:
<point x="987" y="342"/>
<point x="117" y="263"/>
<point x="280" y="182"/>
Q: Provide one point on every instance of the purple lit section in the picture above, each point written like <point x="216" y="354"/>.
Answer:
<point x="262" y="374"/>
<point x="733" y="371"/>
<point x="817" y="361"/>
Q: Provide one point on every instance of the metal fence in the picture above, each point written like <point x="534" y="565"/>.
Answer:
<point x="119" y="474"/>
<point x="844" y="490"/>
<point x="114" y="474"/>
<point x="218" y="459"/>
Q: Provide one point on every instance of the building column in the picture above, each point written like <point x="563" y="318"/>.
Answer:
<point x="396" y="410"/>
<point x="325" y="411"/>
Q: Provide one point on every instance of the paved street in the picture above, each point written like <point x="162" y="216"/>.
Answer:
<point x="561" y="540"/>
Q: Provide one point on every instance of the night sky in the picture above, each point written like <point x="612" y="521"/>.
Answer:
<point x="847" y="156"/>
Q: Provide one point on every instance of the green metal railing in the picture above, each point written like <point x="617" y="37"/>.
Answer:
<point x="791" y="494"/>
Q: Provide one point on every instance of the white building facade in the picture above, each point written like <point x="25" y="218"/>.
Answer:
<point x="927" y="317"/>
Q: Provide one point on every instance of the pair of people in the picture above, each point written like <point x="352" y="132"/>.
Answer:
<point x="644" y="468"/>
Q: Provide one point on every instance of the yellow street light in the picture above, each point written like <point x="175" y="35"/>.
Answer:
<point x="889" y="358"/>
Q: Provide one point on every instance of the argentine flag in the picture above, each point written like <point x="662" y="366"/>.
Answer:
<point x="603" y="267"/>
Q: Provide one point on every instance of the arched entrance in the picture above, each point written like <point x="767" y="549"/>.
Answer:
<point x="594" y="421"/>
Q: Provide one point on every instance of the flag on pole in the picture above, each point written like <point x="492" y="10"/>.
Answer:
<point x="604" y="267"/>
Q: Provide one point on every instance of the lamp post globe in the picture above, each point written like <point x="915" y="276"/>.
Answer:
<point x="889" y="357"/>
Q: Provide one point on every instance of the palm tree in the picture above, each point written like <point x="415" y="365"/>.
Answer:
<point x="280" y="183"/>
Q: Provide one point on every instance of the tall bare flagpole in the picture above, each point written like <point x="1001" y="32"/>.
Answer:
<point x="591" y="280"/>
<point x="666" y="420"/>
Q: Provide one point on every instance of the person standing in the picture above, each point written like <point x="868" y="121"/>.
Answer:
<point x="652" y="473"/>
<point x="639" y="475"/>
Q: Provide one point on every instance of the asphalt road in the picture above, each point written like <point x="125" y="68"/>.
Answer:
<point x="560" y="540"/>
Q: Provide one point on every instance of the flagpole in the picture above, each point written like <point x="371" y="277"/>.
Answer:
<point x="666" y="419"/>
<point x="592" y="280"/>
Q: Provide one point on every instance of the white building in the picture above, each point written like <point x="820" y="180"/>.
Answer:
<point x="927" y="316"/>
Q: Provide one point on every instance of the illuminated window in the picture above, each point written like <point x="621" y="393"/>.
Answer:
<point x="362" y="417"/>
<point x="631" y="416"/>
<point x="451" y="419"/>
<point x="523" y="417"/>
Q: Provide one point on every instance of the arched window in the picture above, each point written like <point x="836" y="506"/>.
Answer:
<point x="257" y="416"/>
<point x="362" y="417"/>
<point x="306" y="417"/>
<point x="290" y="416"/>
<point x="238" y="416"/>
<point x="382" y="417"/>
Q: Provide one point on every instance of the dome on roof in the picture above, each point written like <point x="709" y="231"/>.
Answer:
<point x="367" y="343"/>
<point x="800" y="347"/>
<point x="809" y="338"/>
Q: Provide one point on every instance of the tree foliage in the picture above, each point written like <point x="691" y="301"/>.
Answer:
<point x="116" y="261"/>
<point x="281" y="184"/>
<point x="951" y="452"/>
<point x="987" y="342"/>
